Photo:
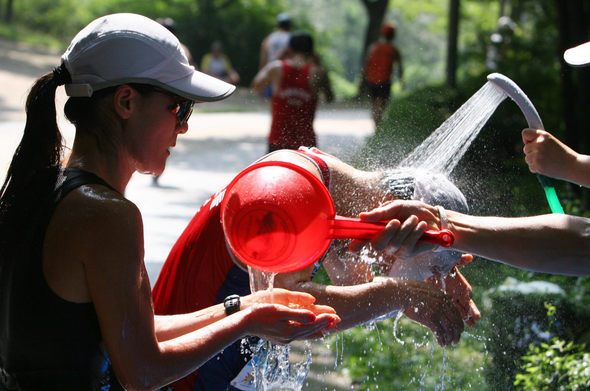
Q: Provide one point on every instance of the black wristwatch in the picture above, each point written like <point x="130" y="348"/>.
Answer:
<point x="231" y="304"/>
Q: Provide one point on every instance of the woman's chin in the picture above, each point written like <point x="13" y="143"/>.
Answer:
<point x="151" y="171"/>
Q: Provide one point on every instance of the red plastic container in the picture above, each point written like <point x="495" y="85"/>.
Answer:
<point x="278" y="217"/>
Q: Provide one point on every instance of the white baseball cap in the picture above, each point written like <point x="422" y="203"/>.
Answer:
<point x="129" y="48"/>
<point x="578" y="56"/>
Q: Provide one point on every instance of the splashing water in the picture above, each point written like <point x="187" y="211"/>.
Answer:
<point x="274" y="366"/>
<point x="439" y="153"/>
<point x="443" y="149"/>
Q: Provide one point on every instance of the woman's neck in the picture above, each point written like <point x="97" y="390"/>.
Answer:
<point x="112" y="165"/>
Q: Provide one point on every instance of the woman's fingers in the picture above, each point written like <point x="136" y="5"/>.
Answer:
<point x="290" y="328"/>
<point x="320" y="309"/>
<point x="465" y="260"/>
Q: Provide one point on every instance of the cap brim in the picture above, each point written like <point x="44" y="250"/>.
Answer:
<point x="578" y="56"/>
<point x="201" y="87"/>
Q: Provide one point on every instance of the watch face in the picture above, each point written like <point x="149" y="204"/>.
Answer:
<point x="231" y="304"/>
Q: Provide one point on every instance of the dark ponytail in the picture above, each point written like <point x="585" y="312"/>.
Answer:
<point x="41" y="144"/>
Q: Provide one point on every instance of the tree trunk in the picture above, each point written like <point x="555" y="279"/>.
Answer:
<point x="376" y="10"/>
<point x="8" y="11"/>
<point x="452" y="43"/>
<point x="575" y="82"/>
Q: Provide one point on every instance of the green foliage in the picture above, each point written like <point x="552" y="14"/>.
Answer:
<point x="556" y="365"/>
<point x="521" y="315"/>
<point x="58" y="18"/>
<point x="20" y="33"/>
<point x="387" y="356"/>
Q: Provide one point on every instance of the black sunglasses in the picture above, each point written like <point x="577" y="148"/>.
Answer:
<point x="183" y="108"/>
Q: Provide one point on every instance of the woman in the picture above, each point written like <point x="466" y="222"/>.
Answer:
<point x="74" y="294"/>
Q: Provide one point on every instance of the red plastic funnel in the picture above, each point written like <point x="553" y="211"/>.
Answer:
<point x="278" y="217"/>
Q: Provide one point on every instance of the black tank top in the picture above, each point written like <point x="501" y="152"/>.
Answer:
<point x="46" y="342"/>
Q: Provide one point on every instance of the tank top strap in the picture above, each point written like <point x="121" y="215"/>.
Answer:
<point x="71" y="178"/>
<point x="314" y="155"/>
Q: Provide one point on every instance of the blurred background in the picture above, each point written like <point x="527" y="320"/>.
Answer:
<point x="534" y="332"/>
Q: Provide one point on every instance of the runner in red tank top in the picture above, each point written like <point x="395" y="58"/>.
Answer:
<point x="293" y="109"/>
<point x="297" y="81"/>
<point x="379" y="62"/>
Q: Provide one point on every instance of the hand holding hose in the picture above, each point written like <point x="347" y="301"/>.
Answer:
<point x="547" y="155"/>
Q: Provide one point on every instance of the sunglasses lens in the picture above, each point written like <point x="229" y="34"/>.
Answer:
<point x="185" y="110"/>
<point x="182" y="111"/>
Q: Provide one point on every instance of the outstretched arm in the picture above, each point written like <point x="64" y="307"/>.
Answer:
<point x="553" y="243"/>
<point x="172" y="326"/>
<point x="361" y="303"/>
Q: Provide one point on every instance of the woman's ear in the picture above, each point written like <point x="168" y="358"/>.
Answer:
<point x="124" y="101"/>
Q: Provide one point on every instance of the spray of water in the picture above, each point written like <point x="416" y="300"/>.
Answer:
<point x="443" y="149"/>
<point x="439" y="153"/>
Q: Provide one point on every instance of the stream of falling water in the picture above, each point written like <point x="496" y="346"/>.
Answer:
<point x="443" y="149"/>
<point x="440" y="153"/>
<point x="274" y="367"/>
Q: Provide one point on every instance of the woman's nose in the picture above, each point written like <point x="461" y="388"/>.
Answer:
<point x="182" y="129"/>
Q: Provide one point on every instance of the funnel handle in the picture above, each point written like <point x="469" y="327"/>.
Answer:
<point x="533" y="119"/>
<point x="355" y="228"/>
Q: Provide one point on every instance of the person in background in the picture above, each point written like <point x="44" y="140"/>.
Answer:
<point x="552" y="243"/>
<point x="201" y="270"/>
<point x="380" y="59"/>
<point x="274" y="46"/>
<point x="297" y="82"/>
<point x="217" y="64"/>
<point x="75" y="304"/>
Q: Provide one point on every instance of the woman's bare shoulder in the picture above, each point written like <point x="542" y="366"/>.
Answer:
<point x="98" y="210"/>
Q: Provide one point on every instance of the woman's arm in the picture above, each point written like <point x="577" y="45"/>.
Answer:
<point x="172" y="326"/>
<point x="110" y="245"/>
